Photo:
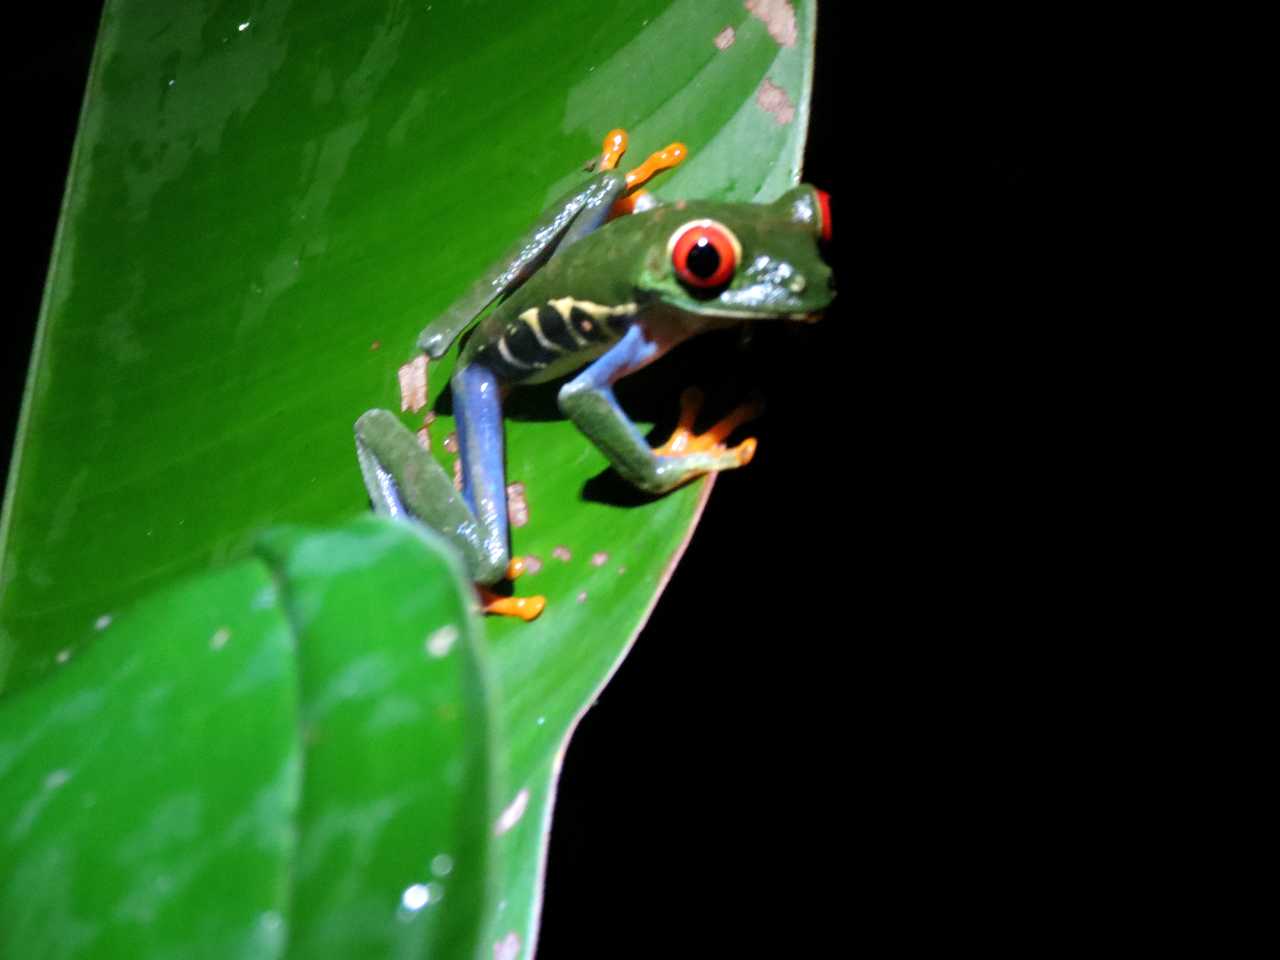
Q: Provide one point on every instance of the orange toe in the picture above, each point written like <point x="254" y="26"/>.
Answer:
<point x="526" y="608"/>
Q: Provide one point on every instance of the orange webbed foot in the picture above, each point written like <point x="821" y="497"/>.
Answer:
<point x="634" y="199"/>
<point x="684" y="441"/>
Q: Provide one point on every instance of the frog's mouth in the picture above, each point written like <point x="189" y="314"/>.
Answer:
<point x="807" y="316"/>
<point x="812" y="317"/>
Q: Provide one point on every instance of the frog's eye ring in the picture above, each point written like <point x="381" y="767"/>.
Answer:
<point x="705" y="254"/>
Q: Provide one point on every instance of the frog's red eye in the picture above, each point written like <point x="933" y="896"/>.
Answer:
<point x="705" y="254"/>
<point x="824" y="212"/>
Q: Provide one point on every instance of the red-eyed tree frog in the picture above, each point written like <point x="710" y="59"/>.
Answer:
<point x="581" y="288"/>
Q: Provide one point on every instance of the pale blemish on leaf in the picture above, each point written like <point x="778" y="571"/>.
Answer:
<point x="56" y="779"/>
<point x="219" y="638"/>
<point x="102" y="622"/>
<point x="599" y="559"/>
<point x="442" y="864"/>
<point x="508" y="948"/>
<point x="64" y="655"/>
<point x="724" y="39"/>
<point x="413" y="384"/>
<point x="562" y="553"/>
<point x="532" y="564"/>
<point x="778" y="17"/>
<point x="775" y="102"/>
<point x="582" y="596"/>
<point x="512" y="814"/>
<point x="451" y="443"/>
<point x="441" y="642"/>
<point x="517" y="505"/>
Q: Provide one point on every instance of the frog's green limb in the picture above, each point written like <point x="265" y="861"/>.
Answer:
<point x="523" y="259"/>
<point x="405" y="482"/>
<point x="589" y="402"/>
<point x="577" y="214"/>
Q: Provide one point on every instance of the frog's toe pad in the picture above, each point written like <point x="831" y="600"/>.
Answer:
<point x="526" y="608"/>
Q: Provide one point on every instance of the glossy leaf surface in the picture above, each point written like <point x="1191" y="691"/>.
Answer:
<point x="266" y="205"/>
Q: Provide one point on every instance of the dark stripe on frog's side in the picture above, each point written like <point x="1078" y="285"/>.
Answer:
<point x="524" y="346"/>
<point x="554" y="337"/>
<point x="590" y="329"/>
<point x="498" y="357"/>
<point x="556" y="331"/>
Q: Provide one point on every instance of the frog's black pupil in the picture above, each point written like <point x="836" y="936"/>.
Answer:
<point x="704" y="259"/>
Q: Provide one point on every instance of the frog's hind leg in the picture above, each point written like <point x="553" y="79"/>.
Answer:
<point x="405" y="482"/>
<point x="477" y="405"/>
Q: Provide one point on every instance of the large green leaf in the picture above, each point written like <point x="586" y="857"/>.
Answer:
<point x="266" y="204"/>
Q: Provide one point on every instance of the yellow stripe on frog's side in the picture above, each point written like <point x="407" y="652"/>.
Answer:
<point x="588" y="313"/>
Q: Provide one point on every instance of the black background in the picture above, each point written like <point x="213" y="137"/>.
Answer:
<point x="841" y="724"/>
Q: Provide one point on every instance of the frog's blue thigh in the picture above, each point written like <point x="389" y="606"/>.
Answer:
<point x="589" y="402"/>
<point x="477" y="405"/>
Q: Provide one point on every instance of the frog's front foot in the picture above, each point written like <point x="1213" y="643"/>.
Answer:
<point x="688" y="454"/>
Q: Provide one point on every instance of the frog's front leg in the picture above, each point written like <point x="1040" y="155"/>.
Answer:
<point x="589" y="402"/>
<point x="404" y="480"/>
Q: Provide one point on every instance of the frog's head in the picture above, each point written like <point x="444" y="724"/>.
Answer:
<point x="742" y="261"/>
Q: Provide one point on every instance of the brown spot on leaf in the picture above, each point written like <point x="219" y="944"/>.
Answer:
<point x="413" y="384"/>
<point x="457" y="474"/>
<point x="724" y="39"/>
<point x="774" y="101"/>
<point x="778" y="17"/>
<point x="376" y="345"/>
<point x="424" y="439"/>
<point x="451" y="443"/>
